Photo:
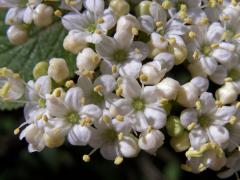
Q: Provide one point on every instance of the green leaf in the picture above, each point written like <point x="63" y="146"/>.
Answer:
<point x="43" y="44"/>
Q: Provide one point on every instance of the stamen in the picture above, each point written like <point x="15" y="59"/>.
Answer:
<point x="228" y="79"/>
<point x="98" y="88"/>
<point x="191" y="126"/>
<point x="118" y="160"/>
<point x="120" y="118"/>
<point x="143" y="77"/>
<point x="120" y="136"/>
<point x="114" y="69"/>
<point x="196" y="55"/>
<point x="192" y="35"/>
<point x="198" y="105"/>
<point x="134" y="31"/>
<point x="119" y="91"/>
<point x="218" y="103"/>
<point x="58" y="13"/>
<point x="86" y="158"/>
<point x="87" y="73"/>
<point x="69" y="84"/>
<point x="106" y="119"/>
<point x="233" y="120"/>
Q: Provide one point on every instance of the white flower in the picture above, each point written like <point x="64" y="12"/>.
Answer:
<point x="150" y="140"/>
<point x="11" y="85"/>
<point x="17" y="35"/>
<point x="140" y="106"/>
<point x="91" y="23"/>
<point x="71" y="117"/>
<point x="113" y="138"/>
<point x="121" y="53"/>
<point x="100" y="91"/>
<point x="206" y="122"/>
<point x="169" y="88"/>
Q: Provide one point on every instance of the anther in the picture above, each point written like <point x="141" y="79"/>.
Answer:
<point x="118" y="160"/>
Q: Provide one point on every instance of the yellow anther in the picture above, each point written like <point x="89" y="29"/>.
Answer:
<point x="219" y="1"/>
<point x="98" y="31"/>
<point x="118" y="160"/>
<point x="238" y="105"/>
<point x="98" y="88"/>
<point x="228" y="79"/>
<point x="45" y="118"/>
<point x="57" y="92"/>
<point x="119" y="81"/>
<point x="69" y="84"/>
<point x="95" y="59"/>
<point x="71" y="2"/>
<point x="238" y="148"/>
<point x="188" y="20"/>
<point x="143" y="77"/>
<point x="204" y="21"/>
<point x="120" y="136"/>
<point x="224" y="35"/>
<point x="58" y="13"/>
<point x="198" y="105"/>
<point x="166" y="4"/>
<point x="149" y="129"/>
<point x="196" y="55"/>
<point x="137" y="50"/>
<point x="159" y="23"/>
<point x="134" y="31"/>
<point x="191" y="126"/>
<point x="183" y="7"/>
<point x="212" y="3"/>
<point x="16" y="76"/>
<point x="172" y="41"/>
<point x="202" y="167"/>
<point x="236" y="36"/>
<point x="234" y="2"/>
<point x="16" y="131"/>
<point x="39" y="117"/>
<point x="5" y="89"/>
<point x="106" y="119"/>
<point x="163" y="102"/>
<point x="88" y="73"/>
<point x="86" y="158"/>
<point x="120" y="118"/>
<point x="119" y="91"/>
<point x="114" y="69"/>
<point x="214" y="45"/>
<point x="100" y="21"/>
<point x="83" y="100"/>
<point x="192" y="35"/>
<point x="218" y="103"/>
<point x="162" y="38"/>
<point x="87" y="120"/>
<point x="233" y="120"/>
<point x="225" y="18"/>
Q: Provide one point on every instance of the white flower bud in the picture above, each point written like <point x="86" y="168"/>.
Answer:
<point x="120" y="7"/>
<point x="74" y="42"/>
<point x="43" y="15"/>
<point x="201" y="83"/>
<point x="127" y="23"/>
<point x="87" y="60"/>
<point x="169" y="88"/>
<point x="58" y="70"/>
<point x="196" y="69"/>
<point x="188" y="95"/>
<point x="17" y="35"/>
<point x="227" y="93"/>
<point x="179" y="49"/>
<point x="153" y="72"/>
<point x="166" y="60"/>
<point x="143" y="8"/>
<point x="151" y="141"/>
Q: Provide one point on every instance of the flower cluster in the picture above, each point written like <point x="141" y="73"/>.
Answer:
<point x="124" y="92"/>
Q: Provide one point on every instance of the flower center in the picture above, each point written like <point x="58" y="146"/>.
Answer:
<point x="206" y="50"/>
<point x="119" y="55"/>
<point x="41" y="103"/>
<point x="97" y="98"/>
<point x="110" y="135"/>
<point x="204" y="121"/>
<point x="91" y="28"/>
<point x="138" y="104"/>
<point x="73" y="117"/>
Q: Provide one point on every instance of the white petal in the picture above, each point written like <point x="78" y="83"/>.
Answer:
<point x="209" y="65"/>
<point x="120" y="107"/>
<point x="96" y="6"/>
<point x="128" y="147"/>
<point x="131" y="87"/>
<point x="150" y="95"/>
<point x="157" y="12"/>
<point x="109" y="20"/>
<point x="219" y="134"/>
<point x="92" y="111"/>
<point x="188" y="116"/>
<point x="108" y="83"/>
<point x="79" y="135"/>
<point x="198" y="137"/>
<point x="223" y="115"/>
<point x="86" y="85"/>
<point x="215" y="32"/>
<point x="73" y="21"/>
<point x="28" y="15"/>
<point x="201" y="83"/>
<point x="55" y="106"/>
<point x="207" y="102"/>
<point x="147" y="23"/>
<point x="156" y="117"/>
<point x="108" y="151"/>
<point x="130" y="68"/>
<point x="219" y="75"/>
<point x="138" y="51"/>
<point x="73" y="98"/>
<point x="139" y="121"/>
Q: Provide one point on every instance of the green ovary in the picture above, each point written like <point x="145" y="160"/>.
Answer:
<point x="138" y="104"/>
<point x="204" y="121"/>
<point x="91" y="28"/>
<point x="110" y="135"/>
<point x="73" y="118"/>
<point x="97" y="99"/>
<point x="119" y="55"/>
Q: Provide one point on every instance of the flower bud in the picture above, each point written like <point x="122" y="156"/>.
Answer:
<point x="17" y="35"/>
<point x="151" y="141"/>
<point x="169" y="88"/>
<point x="43" y="15"/>
<point x="174" y="126"/>
<point x="143" y="8"/>
<point x="120" y="7"/>
<point x="153" y="51"/>
<point x="153" y="72"/>
<point x="127" y="23"/>
<point x="40" y="69"/>
<point x="188" y="95"/>
<point x="201" y="83"/>
<point x="227" y="94"/>
<point x="180" y="143"/>
<point x="58" y="70"/>
<point x="74" y="42"/>
<point x="88" y="60"/>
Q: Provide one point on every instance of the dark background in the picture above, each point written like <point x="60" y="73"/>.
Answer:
<point x="66" y="162"/>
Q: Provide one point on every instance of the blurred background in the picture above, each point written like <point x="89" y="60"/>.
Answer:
<point x="66" y="162"/>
